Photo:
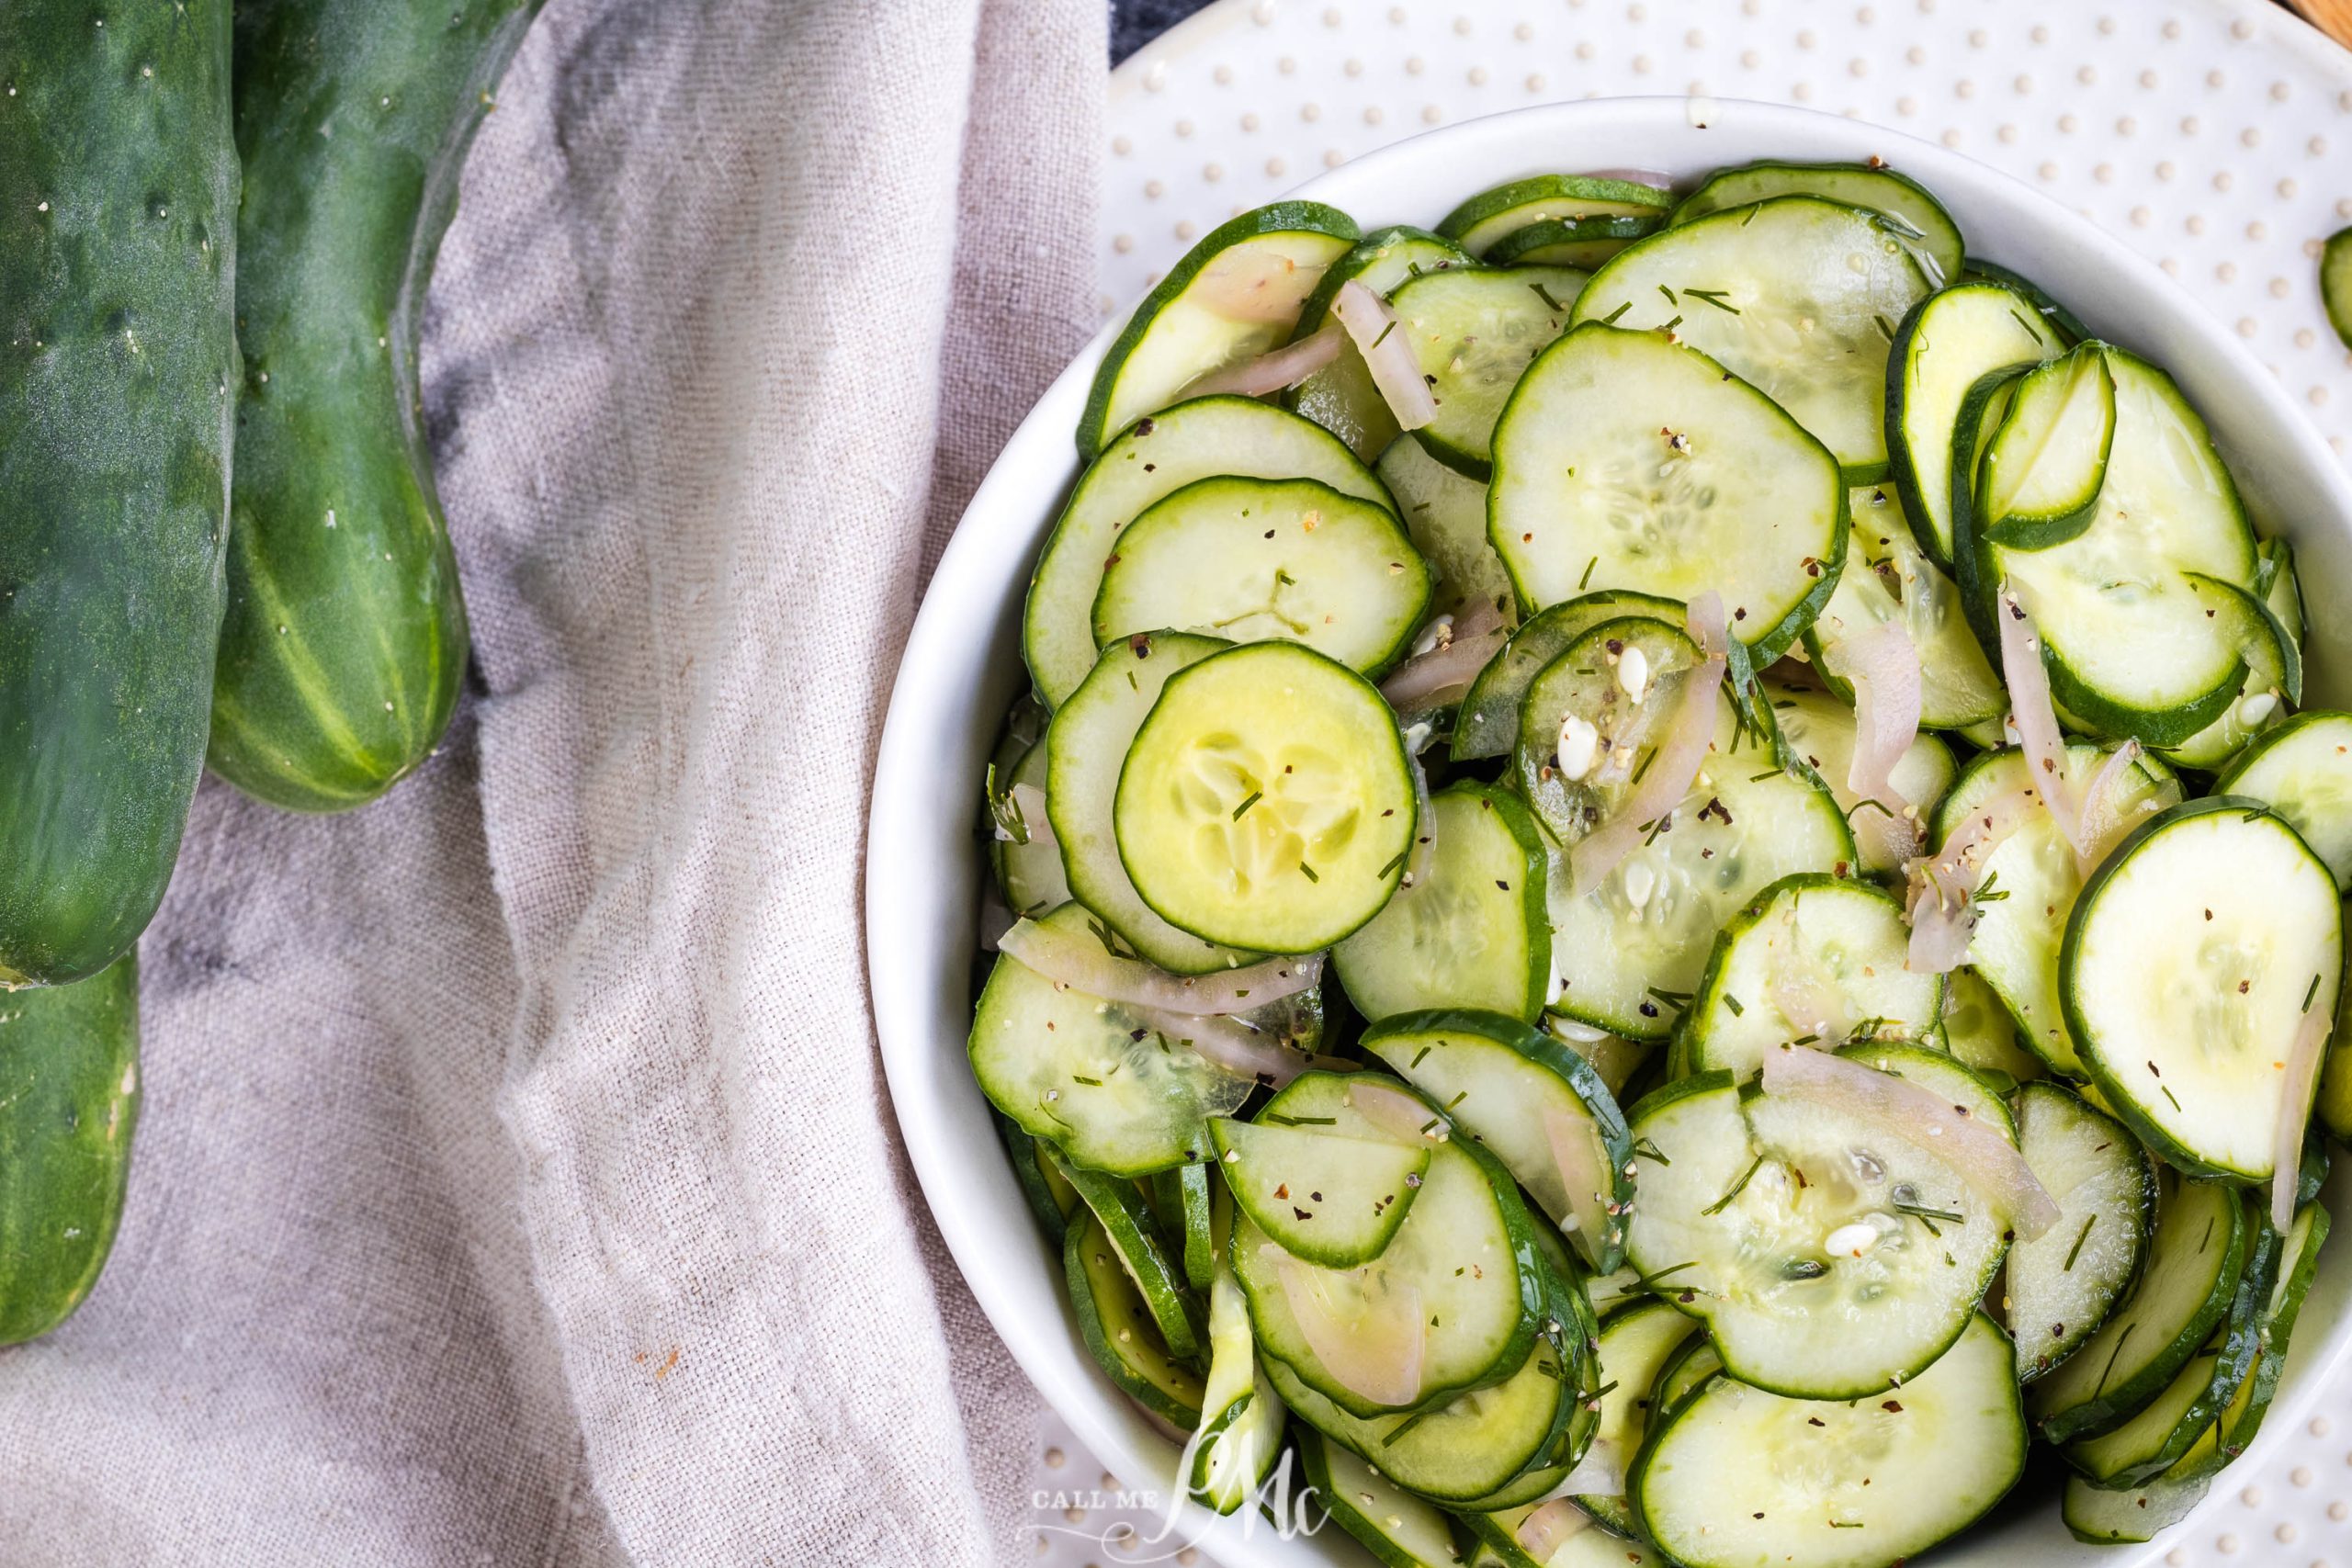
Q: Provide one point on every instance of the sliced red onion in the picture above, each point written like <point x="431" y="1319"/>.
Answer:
<point x="1077" y="959"/>
<point x="1544" y="1532"/>
<point x="1375" y="1355"/>
<point x="2294" y="1112"/>
<point x="1226" y="1042"/>
<point x="1423" y="853"/>
<point x="2104" y="821"/>
<point x="1974" y="1149"/>
<point x="1388" y="354"/>
<point x="1882" y="666"/>
<point x="1395" y="1112"/>
<point x="1254" y="282"/>
<point x="1939" y="938"/>
<point x="2035" y="716"/>
<point x="1443" y="674"/>
<point x="1942" y="883"/>
<point x="1673" y="767"/>
<point x="1702" y="617"/>
<point x="1657" y="180"/>
<point x="1286" y="367"/>
<point x="1577" y="1156"/>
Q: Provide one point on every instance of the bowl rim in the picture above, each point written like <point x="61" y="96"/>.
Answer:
<point x="947" y="699"/>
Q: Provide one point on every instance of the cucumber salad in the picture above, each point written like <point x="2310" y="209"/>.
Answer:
<point x="1665" y="897"/>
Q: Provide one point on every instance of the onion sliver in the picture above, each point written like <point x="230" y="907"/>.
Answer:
<point x="1672" y="769"/>
<point x="1253" y="283"/>
<point x="1286" y="367"/>
<point x="1386" y="353"/>
<point x="2103" y="821"/>
<point x="1544" y="1532"/>
<point x="1424" y="852"/>
<point x="1577" y="1156"/>
<point x="1974" y="1149"/>
<point x="2034" y="714"/>
<point x="1943" y="882"/>
<point x="1226" y="1042"/>
<point x="1377" y="1357"/>
<point x="1079" y="960"/>
<point x="1882" y="666"/>
<point x="2294" y="1112"/>
<point x="1395" y="1112"/>
<point x="1443" y="674"/>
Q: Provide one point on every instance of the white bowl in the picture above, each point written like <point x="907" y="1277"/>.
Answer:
<point x="963" y="666"/>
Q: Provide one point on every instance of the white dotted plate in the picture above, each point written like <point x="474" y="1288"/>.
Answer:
<point x="2213" y="136"/>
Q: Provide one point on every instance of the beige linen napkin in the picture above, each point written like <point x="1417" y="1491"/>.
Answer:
<point x="517" y="1184"/>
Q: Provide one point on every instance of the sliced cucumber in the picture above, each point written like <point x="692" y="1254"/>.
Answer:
<point x="1828" y="1260"/>
<point x="2173" y="1424"/>
<point x="2202" y="1242"/>
<point x="1982" y="1035"/>
<point x="1266" y="802"/>
<point x="1029" y="870"/>
<point x="1464" y="1251"/>
<point x="1182" y="1199"/>
<point x="2062" y="1285"/>
<point x="1240" y="1439"/>
<point x="1919" y="220"/>
<point x="1084" y="751"/>
<point x="1474" y="933"/>
<point x="1154" y="458"/>
<point x="1948" y="343"/>
<point x="1334" y="1201"/>
<point x="1249" y="560"/>
<point x="2100" y="1516"/>
<point x="2302" y="770"/>
<point x="1739" y="1477"/>
<point x="1615" y="1060"/>
<point x="1820" y="730"/>
<point x="2033" y="877"/>
<point x="2063" y="323"/>
<point x="1797" y="295"/>
<point x="1533" y="1104"/>
<point x="1234" y="296"/>
<point x="1887" y="579"/>
<point x="1593" y="719"/>
<point x="1446" y="515"/>
<point x="1342" y="397"/>
<point x="1637" y="1341"/>
<point x="2273" y="679"/>
<point x="2189" y="966"/>
<point x="1689" y="1367"/>
<point x="1472" y="329"/>
<point x="2281" y="591"/>
<point x="1119" y="1331"/>
<point x="2124" y="630"/>
<point x="2335" y="283"/>
<point x="2037" y="484"/>
<point x="1584" y="242"/>
<point x="1399" y="1530"/>
<point x="1158" y="1279"/>
<point x="1625" y="461"/>
<point x="1052" y="1199"/>
<point x="2297" y="1267"/>
<point x="1810" y="958"/>
<point x="1630" y="951"/>
<point x="1489" y="721"/>
<point x="1088" y="1075"/>
<point x="1479" y="224"/>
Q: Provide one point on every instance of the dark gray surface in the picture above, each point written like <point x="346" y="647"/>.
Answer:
<point x="1134" y="23"/>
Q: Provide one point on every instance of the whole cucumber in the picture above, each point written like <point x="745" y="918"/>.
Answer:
<point x="118" y="370"/>
<point x="345" y="641"/>
<point x="68" y="1103"/>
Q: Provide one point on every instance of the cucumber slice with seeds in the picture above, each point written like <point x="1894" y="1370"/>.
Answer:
<point x="1252" y="560"/>
<point x="1472" y="331"/>
<point x="2302" y="770"/>
<point x="2190" y="962"/>
<point x="1153" y="459"/>
<point x="2202" y="1245"/>
<point x="2030" y="887"/>
<point x="1583" y="243"/>
<point x="1128" y="1227"/>
<point x="1479" y="224"/>
<point x="1342" y="397"/>
<point x="1739" y="1477"/>
<point x="1091" y="1077"/>
<point x="2062" y="1285"/>
<point x="1944" y="347"/>
<point x="1593" y="718"/>
<point x="1446" y="515"/>
<point x="1625" y="460"/>
<point x="1463" y="1248"/>
<point x="1819" y="729"/>
<point x="1919" y="220"/>
<point x="1334" y="1201"/>
<point x="1233" y="297"/>
<point x="2037" y="482"/>
<point x="1533" y="1104"/>
<point x="1266" y="801"/>
<point x="1828" y="1258"/>
<point x="1887" y="579"/>
<point x="1637" y="1341"/>
<point x="1119" y="1332"/>
<point x="1811" y="958"/>
<point x="1489" y="721"/>
<point x="1473" y="933"/>
<point x="1796" y="295"/>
